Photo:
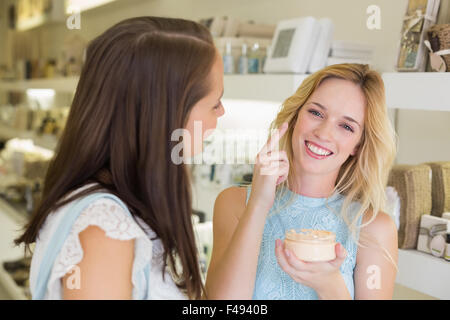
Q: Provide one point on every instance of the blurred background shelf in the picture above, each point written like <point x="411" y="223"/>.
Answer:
<point x="66" y="84"/>
<point x="424" y="273"/>
<point x="44" y="141"/>
<point x="417" y="90"/>
<point x="11" y="289"/>
<point x="404" y="90"/>
<point x="11" y="222"/>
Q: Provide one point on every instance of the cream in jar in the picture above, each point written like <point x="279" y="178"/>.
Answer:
<point x="311" y="245"/>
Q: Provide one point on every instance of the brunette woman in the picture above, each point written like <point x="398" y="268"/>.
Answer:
<point x="115" y="218"/>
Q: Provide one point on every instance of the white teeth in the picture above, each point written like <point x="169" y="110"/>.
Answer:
<point x="317" y="150"/>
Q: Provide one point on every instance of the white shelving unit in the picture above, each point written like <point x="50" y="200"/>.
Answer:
<point x="418" y="90"/>
<point x="10" y="222"/>
<point x="67" y="84"/>
<point x="421" y="91"/>
<point x="44" y="141"/>
<point x="425" y="273"/>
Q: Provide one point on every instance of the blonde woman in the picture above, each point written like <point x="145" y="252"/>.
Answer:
<point x="336" y="147"/>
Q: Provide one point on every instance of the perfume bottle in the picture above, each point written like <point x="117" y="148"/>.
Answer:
<point x="243" y="60"/>
<point x="253" y="59"/>
<point x="228" y="60"/>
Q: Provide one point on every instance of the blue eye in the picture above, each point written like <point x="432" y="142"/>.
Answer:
<point x="314" y="112"/>
<point x="348" y="128"/>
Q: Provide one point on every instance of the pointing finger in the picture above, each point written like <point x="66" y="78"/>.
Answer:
<point x="272" y="144"/>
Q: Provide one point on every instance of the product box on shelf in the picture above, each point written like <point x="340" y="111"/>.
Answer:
<point x="413" y="185"/>
<point x="432" y="234"/>
<point x="440" y="188"/>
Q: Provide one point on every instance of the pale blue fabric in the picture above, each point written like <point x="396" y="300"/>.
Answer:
<point x="271" y="282"/>
<point x="61" y="235"/>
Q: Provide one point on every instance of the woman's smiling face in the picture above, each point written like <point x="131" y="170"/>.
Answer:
<point x="329" y="127"/>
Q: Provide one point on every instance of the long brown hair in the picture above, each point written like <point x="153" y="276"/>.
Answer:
<point x="139" y="82"/>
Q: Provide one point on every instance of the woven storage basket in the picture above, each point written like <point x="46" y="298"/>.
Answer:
<point x="439" y="37"/>
<point x="413" y="184"/>
<point x="440" y="187"/>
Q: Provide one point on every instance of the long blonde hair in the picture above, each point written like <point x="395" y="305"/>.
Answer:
<point x="362" y="178"/>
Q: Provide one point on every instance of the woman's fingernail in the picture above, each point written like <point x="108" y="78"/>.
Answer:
<point x="287" y="252"/>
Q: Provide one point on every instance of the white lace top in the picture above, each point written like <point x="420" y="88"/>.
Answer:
<point x="108" y="215"/>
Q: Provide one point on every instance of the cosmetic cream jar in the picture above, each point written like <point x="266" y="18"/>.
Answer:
<point x="311" y="245"/>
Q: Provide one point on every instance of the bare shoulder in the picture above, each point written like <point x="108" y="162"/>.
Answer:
<point x="106" y="267"/>
<point x="381" y="226"/>
<point x="231" y="200"/>
<point x="381" y="231"/>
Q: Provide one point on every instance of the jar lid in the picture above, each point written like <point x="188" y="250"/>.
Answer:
<point x="311" y="235"/>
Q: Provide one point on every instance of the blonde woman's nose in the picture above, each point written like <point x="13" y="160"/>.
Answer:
<point x="324" y="131"/>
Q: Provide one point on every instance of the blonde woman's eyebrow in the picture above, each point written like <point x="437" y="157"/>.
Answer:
<point x="345" y="117"/>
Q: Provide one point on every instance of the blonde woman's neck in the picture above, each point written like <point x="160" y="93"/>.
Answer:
<point x="312" y="185"/>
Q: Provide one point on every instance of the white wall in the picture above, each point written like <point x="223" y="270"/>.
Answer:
<point x="424" y="135"/>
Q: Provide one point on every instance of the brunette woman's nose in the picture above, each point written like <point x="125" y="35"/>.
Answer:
<point x="221" y="111"/>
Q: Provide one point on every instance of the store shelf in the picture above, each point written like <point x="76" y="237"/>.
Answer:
<point x="419" y="90"/>
<point x="67" y="84"/>
<point x="44" y="141"/>
<point x="424" y="273"/>
<point x="10" y="287"/>
<point x="11" y="222"/>
<point x="407" y="90"/>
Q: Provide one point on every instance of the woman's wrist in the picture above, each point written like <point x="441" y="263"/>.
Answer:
<point x="334" y="289"/>
<point x="257" y="206"/>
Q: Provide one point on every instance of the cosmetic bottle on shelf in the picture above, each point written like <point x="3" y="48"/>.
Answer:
<point x="228" y="60"/>
<point x="243" y="60"/>
<point x="254" y="59"/>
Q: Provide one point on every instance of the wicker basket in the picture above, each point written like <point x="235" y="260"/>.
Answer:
<point x="439" y="37"/>
<point x="413" y="184"/>
<point x="440" y="187"/>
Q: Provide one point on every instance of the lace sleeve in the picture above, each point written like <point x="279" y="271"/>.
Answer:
<point x="117" y="224"/>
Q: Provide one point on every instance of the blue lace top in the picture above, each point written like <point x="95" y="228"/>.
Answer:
<point x="271" y="282"/>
